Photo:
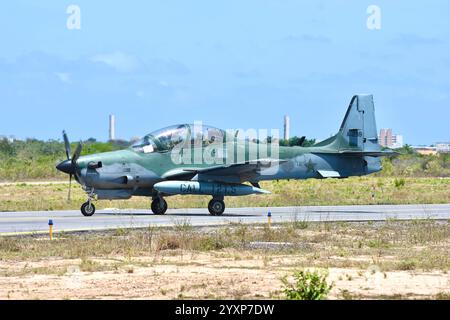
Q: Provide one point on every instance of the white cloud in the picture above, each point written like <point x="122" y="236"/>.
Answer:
<point x="120" y="61"/>
<point x="63" y="77"/>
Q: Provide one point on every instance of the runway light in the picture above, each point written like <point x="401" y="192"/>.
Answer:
<point x="269" y="218"/>
<point x="50" y="226"/>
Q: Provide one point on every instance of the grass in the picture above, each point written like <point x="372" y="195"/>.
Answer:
<point x="352" y="191"/>
<point x="399" y="245"/>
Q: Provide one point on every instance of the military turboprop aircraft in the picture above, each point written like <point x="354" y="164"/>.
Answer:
<point x="154" y="166"/>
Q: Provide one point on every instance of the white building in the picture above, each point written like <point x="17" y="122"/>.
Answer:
<point x="443" y="147"/>
<point x="397" y="141"/>
<point x="389" y="140"/>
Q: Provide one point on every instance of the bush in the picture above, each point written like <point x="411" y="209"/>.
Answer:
<point x="398" y="183"/>
<point x="169" y="242"/>
<point x="303" y="224"/>
<point x="308" y="286"/>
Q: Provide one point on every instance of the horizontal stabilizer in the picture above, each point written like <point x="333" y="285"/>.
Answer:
<point x="385" y="153"/>
<point x="360" y="153"/>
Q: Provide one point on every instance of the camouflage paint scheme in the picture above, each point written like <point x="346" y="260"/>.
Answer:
<point x="353" y="151"/>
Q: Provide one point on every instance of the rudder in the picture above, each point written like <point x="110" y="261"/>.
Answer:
<point x="359" y="127"/>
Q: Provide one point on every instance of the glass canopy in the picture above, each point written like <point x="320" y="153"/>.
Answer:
<point x="166" y="139"/>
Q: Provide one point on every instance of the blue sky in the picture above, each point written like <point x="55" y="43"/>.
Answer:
<point x="230" y="64"/>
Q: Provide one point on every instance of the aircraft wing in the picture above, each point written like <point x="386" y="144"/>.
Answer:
<point x="236" y="172"/>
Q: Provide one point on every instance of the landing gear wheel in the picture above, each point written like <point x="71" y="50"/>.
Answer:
<point x="159" y="206"/>
<point x="87" y="209"/>
<point x="216" y="207"/>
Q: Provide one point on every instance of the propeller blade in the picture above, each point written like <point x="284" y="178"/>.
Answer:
<point x="77" y="153"/>
<point x="70" y="187"/>
<point x="77" y="176"/>
<point x="67" y="145"/>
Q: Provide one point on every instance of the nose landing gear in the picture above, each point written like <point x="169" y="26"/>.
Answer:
<point x="88" y="208"/>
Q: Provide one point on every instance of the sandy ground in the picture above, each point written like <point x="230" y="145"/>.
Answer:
<point x="226" y="275"/>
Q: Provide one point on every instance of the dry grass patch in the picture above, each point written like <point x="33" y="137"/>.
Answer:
<point x="356" y="190"/>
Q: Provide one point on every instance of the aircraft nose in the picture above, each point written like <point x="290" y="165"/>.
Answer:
<point x="66" y="167"/>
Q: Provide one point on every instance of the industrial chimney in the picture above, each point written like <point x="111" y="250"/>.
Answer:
<point x="112" y="127"/>
<point x="287" y="126"/>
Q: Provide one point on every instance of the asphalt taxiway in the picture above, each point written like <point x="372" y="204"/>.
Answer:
<point x="37" y="222"/>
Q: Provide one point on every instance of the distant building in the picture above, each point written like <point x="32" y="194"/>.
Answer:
<point x="426" y="151"/>
<point x="443" y="147"/>
<point x="397" y="141"/>
<point x="388" y="140"/>
<point x="385" y="137"/>
<point x="112" y="127"/>
<point x="8" y="138"/>
<point x="287" y="127"/>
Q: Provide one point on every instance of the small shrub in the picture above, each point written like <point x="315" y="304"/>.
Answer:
<point x="208" y="243"/>
<point x="443" y="296"/>
<point x="301" y="224"/>
<point x="407" y="265"/>
<point x="242" y="233"/>
<point x="119" y="232"/>
<point x="399" y="183"/>
<point x="168" y="242"/>
<point x="8" y="245"/>
<point x="346" y="295"/>
<point x="308" y="286"/>
<point x="89" y="265"/>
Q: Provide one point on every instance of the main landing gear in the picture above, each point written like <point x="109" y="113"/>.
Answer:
<point x="216" y="206"/>
<point x="159" y="206"/>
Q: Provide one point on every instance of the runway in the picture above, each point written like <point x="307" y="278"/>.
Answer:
<point x="12" y="223"/>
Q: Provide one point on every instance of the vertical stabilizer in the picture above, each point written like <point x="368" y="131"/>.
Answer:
<point x="359" y="129"/>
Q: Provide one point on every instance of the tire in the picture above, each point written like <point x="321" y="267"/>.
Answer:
<point x="159" y="206"/>
<point x="216" y="207"/>
<point x="87" y="210"/>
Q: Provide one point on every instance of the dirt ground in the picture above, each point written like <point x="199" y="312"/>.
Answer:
<point x="228" y="274"/>
<point x="368" y="260"/>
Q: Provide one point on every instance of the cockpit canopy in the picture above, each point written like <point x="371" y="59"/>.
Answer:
<point x="164" y="140"/>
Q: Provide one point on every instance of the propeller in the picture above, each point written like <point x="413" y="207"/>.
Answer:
<point x="67" y="145"/>
<point x="70" y="166"/>
<point x="70" y="187"/>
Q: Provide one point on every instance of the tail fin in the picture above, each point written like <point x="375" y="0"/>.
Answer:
<point x="358" y="133"/>
<point x="359" y="129"/>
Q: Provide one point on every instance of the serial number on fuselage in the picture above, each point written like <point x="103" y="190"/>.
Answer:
<point x="187" y="188"/>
